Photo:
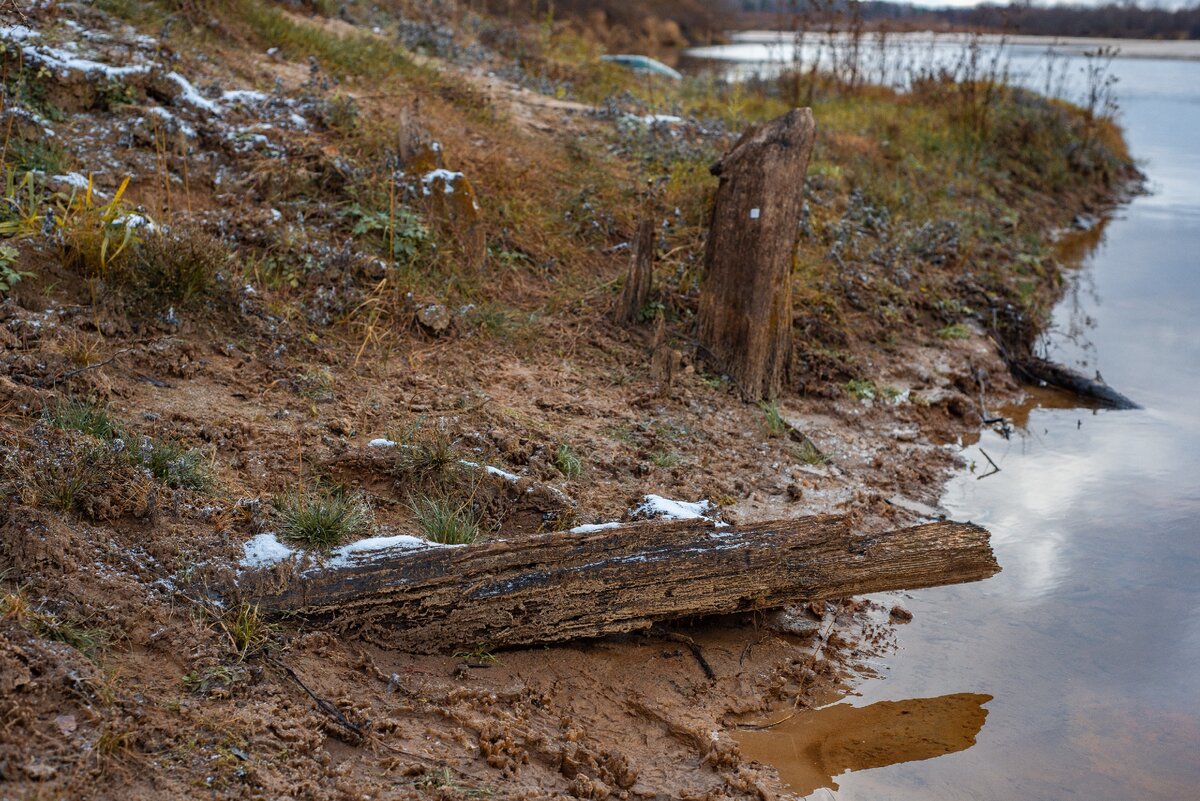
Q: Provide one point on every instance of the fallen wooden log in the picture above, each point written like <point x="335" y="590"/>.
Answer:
<point x="1034" y="369"/>
<point x="568" y="585"/>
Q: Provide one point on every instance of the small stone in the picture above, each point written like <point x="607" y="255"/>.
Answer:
<point x="40" y="771"/>
<point x="900" y="614"/>
<point x="65" y="723"/>
<point x="435" y="317"/>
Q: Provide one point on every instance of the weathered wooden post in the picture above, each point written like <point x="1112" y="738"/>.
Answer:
<point x="746" y="297"/>
<point x="636" y="292"/>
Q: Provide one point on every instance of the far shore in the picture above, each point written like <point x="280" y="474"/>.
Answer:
<point x="1187" y="49"/>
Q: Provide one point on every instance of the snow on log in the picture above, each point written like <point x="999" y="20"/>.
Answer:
<point x="567" y="585"/>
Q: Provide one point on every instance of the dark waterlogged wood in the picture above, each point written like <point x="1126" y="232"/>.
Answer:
<point x="745" y="317"/>
<point x="1034" y="370"/>
<point x="563" y="586"/>
<point x="636" y="292"/>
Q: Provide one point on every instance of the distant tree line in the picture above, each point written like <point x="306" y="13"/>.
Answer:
<point x="1121" y="20"/>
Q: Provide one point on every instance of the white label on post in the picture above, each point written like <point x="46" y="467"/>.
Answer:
<point x="754" y="214"/>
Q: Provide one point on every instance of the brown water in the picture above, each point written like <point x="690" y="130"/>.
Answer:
<point x="1088" y="642"/>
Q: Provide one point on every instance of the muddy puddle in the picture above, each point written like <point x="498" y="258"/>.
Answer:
<point x="1075" y="673"/>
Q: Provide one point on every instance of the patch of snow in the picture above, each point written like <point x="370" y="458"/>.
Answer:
<point x="658" y="506"/>
<point x="264" y="550"/>
<point x="135" y="221"/>
<point x="298" y="122"/>
<point x="345" y="555"/>
<point x="448" y="178"/>
<point x="73" y="179"/>
<point x="17" y="33"/>
<point x="591" y="527"/>
<point x="192" y="96"/>
<point x="63" y="61"/>
<point x="381" y="442"/>
<point x="168" y="117"/>
<point x="242" y="96"/>
<point x="495" y="471"/>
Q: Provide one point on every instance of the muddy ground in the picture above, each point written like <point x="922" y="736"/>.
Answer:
<point x="125" y="671"/>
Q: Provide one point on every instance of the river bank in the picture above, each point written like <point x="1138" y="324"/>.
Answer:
<point x="357" y="229"/>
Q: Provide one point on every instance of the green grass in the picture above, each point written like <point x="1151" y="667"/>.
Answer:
<point x="353" y="54"/>
<point x="663" y="458"/>
<point x="773" y="420"/>
<point x="175" y="465"/>
<point x="247" y="630"/>
<point x="446" y="521"/>
<point x="85" y="415"/>
<point x="955" y="331"/>
<point x="88" y="640"/>
<point x="568" y="462"/>
<point x="321" y="517"/>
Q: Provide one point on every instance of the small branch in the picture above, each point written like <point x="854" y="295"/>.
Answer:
<point x="697" y="652"/>
<point x="995" y="467"/>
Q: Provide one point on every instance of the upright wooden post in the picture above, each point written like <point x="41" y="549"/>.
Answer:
<point x="636" y="292"/>
<point x="745" y="296"/>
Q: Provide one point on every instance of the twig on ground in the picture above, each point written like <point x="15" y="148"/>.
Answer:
<point x="697" y="652"/>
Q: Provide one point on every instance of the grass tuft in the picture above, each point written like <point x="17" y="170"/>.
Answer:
<point x="568" y="462"/>
<point x="85" y="415"/>
<point x="247" y="629"/>
<point x="88" y="640"/>
<point x="321" y="518"/>
<point x="776" y="425"/>
<point x="173" y="464"/>
<point x="442" y="520"/>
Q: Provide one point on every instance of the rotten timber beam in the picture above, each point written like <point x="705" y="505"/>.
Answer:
<point x="563" y="586"/>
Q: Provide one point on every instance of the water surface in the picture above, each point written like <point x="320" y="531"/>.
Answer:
<point x="1088" y="642"/>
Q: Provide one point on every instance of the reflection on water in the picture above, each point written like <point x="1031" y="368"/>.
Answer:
<point x="816" y="746"/>
<point x="1089" y="640"/>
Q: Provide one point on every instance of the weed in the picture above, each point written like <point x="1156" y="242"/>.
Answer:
<point x="480" y="655"/>
<point x="429" y="458"/>
<point x="247" y="630"/>
<point x="179" y="267"/>
<point x="173" y="464"/>
<point x="567" y="461"/>
<point x="85" y="415"/>
<point x="400" y="230"/>
<point x="10" y="276"/>
<point x="321" y="518"/>
<point x="88" y="640"/>
<point x="664" y="458"/>
<point x="315" y="384"/>
<point x="43" y="155"/>
<point x="955" y="331"/>
<point x="63" y="485"/>
<point x="98" y="239"/>
<point x="776" y="425"/>
<point x="863" y="389"/>
<point x="807" y="453"/>
<point x="442" y="520"/>
<point x="210" y="678"/>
